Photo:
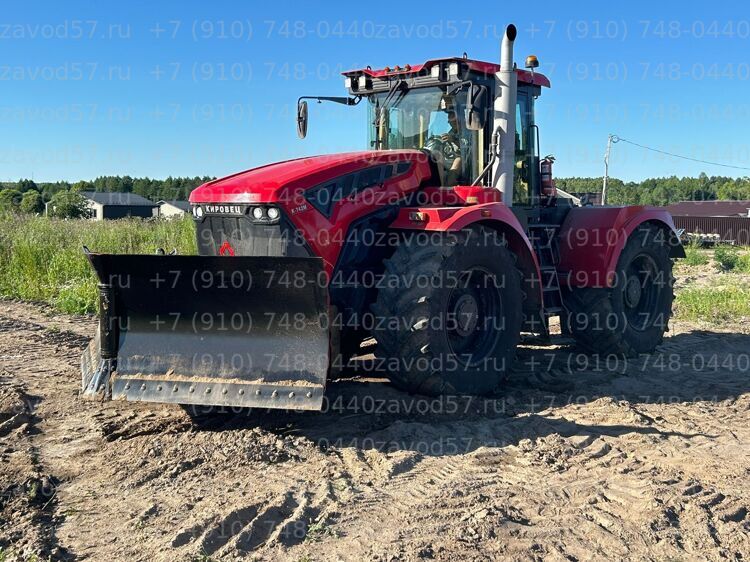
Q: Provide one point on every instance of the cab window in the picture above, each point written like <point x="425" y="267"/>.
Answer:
<point x="524" y="151"/>
<point x="427" y="118"/>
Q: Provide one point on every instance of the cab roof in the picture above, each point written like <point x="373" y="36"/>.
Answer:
<point x="481" y="67"/>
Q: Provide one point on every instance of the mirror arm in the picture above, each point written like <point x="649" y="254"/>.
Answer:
<point x="342" y="100"/>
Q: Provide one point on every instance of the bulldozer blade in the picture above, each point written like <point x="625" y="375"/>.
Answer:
<point x="210" y="330"/>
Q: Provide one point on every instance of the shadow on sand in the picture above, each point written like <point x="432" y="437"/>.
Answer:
<point x="368" y="413"/>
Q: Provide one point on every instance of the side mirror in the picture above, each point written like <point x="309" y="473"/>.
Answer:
<point x="302" y="119"/>
<point x="476" y="107"/>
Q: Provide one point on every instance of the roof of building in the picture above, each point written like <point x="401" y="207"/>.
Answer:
<point x="118" y="199"/>
<point x="182" y="205"/>
<point x="710" y="208"/>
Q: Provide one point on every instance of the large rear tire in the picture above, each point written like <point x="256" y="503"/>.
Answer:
<point x="447" y="317"/>
<point x="631" y="317"/>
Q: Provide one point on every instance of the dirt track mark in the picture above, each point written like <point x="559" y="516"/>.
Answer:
<point x="269" y="523"/>
<point x="16" y="406"/>
<point x="63" y="338"/>
<point x="230" y="526"/>
<point x="16" y="325"/>
<point x="28" y="492"/>
<point x="141" y="424"/>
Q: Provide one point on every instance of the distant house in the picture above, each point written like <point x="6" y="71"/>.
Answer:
<point x="105" y="205"/>
<point x="724" y="221"/>
<point x="173" y="208"/>
<point x="710" y="209"/>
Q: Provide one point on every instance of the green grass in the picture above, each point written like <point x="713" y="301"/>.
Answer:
<point x="731" y="258"/>
<point x="727" y="257"/>
<point x="318" y="531"/>
<point x="727" y="299"/>
<point x="713" y="304"/>
<point x="695" y="256"/>
<point x="42" y="259"/>
<point x="743" y="263"/>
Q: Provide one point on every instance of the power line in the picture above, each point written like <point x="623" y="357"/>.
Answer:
<point x="615" y="138"/>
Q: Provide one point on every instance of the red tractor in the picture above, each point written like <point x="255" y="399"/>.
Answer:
<point x="443" y="242"/>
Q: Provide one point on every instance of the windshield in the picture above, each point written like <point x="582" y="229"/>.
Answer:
<point x="427" y="118"/>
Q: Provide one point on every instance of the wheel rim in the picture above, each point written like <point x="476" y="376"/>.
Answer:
<point x="472" y="321"/>
<point x="642" y="292"/>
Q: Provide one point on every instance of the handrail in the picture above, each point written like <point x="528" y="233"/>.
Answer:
<point x="576" y="200"/>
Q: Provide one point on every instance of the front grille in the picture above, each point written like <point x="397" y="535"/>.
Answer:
<point x="248" y="238"/>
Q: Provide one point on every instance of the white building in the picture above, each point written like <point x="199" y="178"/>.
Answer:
<point x="173" y="208"/>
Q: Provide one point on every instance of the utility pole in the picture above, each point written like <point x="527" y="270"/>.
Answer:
<point x="606" y="168"/>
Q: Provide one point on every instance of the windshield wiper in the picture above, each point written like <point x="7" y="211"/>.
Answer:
<point x="399" y="86"/>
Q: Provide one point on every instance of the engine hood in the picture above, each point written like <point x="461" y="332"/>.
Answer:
<point x="283" y="180"/>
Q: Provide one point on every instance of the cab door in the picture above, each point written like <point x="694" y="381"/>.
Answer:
<point x="525" y="176"/>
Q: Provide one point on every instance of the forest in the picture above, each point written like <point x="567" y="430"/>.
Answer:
<point x="661" y="191"/>
<point x="26" y="196"/>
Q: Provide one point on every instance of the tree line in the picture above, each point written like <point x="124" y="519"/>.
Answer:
<point x="661" y="191"/>
<point x="26" y="196"/>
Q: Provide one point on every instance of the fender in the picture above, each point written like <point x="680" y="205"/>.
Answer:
<point x="592" y="239"/>
<point x="494" y="215"/>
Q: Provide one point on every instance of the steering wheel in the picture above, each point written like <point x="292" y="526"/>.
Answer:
<point x="449" y="149"/>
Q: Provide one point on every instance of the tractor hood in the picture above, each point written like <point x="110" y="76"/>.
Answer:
<point x="283" y="181"/>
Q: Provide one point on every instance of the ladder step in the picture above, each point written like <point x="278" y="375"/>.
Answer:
<point x="561" y="340"/>
<point x="553" y="310"/>
<point x="550" y="289"/>
<point x="543" y="225"/>
<point x="546" y="340"/>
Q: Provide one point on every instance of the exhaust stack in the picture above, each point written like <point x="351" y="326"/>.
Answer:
<point x="506" y="82"/>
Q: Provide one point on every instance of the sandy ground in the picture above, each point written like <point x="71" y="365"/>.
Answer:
<point x="576" y="460"/>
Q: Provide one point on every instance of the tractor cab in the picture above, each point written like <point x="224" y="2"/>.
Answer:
<point x="445" y="106"/>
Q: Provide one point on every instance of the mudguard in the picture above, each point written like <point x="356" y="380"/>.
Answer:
<point x="592" y="238"/>
<point x="495" y="215"/>
<point x="210" y="330"/>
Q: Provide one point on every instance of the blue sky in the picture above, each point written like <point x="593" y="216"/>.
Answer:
<point x="209" y="88"/>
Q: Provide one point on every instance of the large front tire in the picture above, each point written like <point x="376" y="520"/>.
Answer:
<point x="448" y="315"/>
<point x="631" y="317"/>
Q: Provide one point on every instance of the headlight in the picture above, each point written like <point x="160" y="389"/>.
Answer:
<point x="258" y="213"/>
<point x="273" y="213"/>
